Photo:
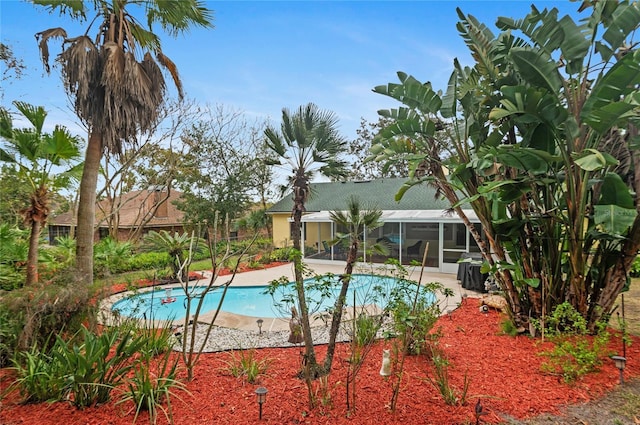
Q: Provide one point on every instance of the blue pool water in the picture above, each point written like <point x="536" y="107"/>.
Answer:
<point x="246" y="300"/>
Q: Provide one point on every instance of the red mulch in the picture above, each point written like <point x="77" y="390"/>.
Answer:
<point x="504" y="373"/>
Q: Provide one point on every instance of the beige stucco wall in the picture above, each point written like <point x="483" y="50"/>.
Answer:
<point x="281" y="232"/>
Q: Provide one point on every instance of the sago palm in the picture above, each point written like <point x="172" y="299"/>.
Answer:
<point x="47" y="162"/>
<point x="117" y="86"/>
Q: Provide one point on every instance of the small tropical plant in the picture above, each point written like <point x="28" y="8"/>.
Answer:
<point x="148" y="389"/>
<point x="451" y="395"/>
<point x="177" y="246"/>
<point x="575" y="352"/>
<point x="245" y="365"/>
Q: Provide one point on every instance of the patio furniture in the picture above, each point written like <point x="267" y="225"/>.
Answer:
<point x="414" y="249"/>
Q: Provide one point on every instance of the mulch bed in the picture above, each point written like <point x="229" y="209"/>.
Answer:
<point x="504" y="374"/>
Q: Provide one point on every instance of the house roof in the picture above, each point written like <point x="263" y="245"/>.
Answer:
<point x="134" y="205"/>
<point x="333" y="196"/>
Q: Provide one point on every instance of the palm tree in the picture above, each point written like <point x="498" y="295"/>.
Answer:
<point x="176" y="246"/>
<point x="357" y="221"/>
<point x="39" y="157"/>
<point x="116" y="84"/>
<point x="308" y="142"/>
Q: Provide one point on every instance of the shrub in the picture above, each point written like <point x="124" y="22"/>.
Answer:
<point x="49" y="308"/>
<point x="148" y="261"/>
<point x="414" y="324"/>
<point x="40" y="376"/>
<point x="451" y="395"/>
<point x="10" y="327"/>
<point x="148" y="389"/>
<point x="244" y="364"/>
<point x="635" y="267"/>
<point x="574" y="353"/>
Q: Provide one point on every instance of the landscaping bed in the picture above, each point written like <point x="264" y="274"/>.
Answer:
<point x="504" y="375"/>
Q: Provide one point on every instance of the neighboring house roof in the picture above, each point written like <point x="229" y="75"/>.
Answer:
<point x="134" y="206"/>
<point x="333" y="196"/>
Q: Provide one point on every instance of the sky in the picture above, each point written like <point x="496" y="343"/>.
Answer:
<point x="263" y="56"/>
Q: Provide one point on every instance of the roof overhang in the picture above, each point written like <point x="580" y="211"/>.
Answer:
<point x="400" y="216"/>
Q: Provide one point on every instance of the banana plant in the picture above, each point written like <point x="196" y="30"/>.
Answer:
<point x="542" y="144"/>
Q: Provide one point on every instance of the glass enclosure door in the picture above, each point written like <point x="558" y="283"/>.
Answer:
<point x="455" y="241"/>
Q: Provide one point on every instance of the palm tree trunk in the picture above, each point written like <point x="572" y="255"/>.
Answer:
<point x="87" y="208"/>
<point x="32" y="256"/>
<point x="311" y="364"/>
<point x="337" y="312"/>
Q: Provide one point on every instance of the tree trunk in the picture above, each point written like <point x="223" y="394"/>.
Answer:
<point x="87" y="208"/>
<point x="32" y="256"/>
<point x="337" y="311"/>
<point x="311" y="363"/>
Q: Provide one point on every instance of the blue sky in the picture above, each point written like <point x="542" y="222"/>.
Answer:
<point x="263" y="56"/>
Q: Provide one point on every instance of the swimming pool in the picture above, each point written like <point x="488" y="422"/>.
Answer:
<point x="249" y="300"/>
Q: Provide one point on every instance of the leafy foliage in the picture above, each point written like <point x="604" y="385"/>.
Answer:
<point x="575" y="353"/>
<point x="244" y="364"/>
<point x="540" y="145"/>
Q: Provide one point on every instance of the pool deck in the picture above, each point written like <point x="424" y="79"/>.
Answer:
<point x="264" y="276"/>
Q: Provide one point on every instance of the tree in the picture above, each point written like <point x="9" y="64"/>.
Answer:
<point x="357" y="221"/>
<point x="116" y="85"/>
<point x="39" y="158"/>
<point x="361" y="169"/>
<point x="154" y="162"/>
<point x="544" y="136"/>
<point x="219" y="166"/>
<point x="308" y="142"/>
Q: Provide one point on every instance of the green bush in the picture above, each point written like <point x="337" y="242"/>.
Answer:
<point x="414" y="324"/>
<point x="43" y="309"/>
<point x="10" y="326"/>
<point x="148" y="261"/>
<point x="635" y="267"/>
<point x="574" y="352"/>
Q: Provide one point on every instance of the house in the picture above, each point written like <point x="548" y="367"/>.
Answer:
<point x="152" y="208"/>
<point x="419" y="220"/>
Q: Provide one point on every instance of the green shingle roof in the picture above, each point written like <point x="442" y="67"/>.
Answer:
<point x="332" y="196"/>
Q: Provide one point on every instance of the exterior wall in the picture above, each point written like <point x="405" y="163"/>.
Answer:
<point x="281" y="230"/>
<point x="313" y="239"/>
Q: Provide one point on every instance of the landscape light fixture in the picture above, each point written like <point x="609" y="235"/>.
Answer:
<point x="620" y="364"/>
<point x="260" y="321"/>
<point x="261" y="394"/>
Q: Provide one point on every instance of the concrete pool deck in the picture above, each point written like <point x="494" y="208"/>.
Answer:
<point x="264" y="276"/>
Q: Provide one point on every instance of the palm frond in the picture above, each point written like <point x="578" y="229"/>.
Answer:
<point x="43" y="43"/>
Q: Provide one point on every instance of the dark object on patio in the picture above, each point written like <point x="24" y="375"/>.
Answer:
<point x="414" y="249"/>
<point x="469" y="273"/>
<point x="327" y="248"/>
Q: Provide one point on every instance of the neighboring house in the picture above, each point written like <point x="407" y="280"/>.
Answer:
<point x="150" y="208"/>
<point x="418" y="220"/>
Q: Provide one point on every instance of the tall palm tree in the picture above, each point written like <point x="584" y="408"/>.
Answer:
<point x="115" y="82"/>
<point x="47" y="162"/>
<point x="308" y="142"/>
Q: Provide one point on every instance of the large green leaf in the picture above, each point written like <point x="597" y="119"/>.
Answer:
<point x="606" y="105"/>
<point x="593" y="160"/>
<point x="624" y="20"/>
<point x="614" y="219"/>
<point x="615" y="192"/>
<point x="412" y="93"/>
<point x="537" y="69"/>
